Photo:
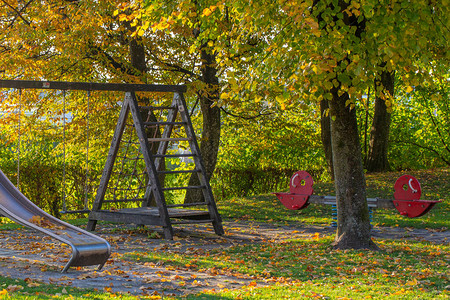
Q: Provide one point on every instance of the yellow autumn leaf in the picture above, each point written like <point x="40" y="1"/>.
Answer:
<point x="145" y="26"/>
<point x="210" y="43"/>
<point x="123" y="17"/>
<point x="315" y="69"/>
<point x="412" y="282"/>
<point x="141" y="31"/>
<point x="409" y="89"/>
<point x="207" y="12"/>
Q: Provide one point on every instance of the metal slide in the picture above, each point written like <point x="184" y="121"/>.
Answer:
<point x="87" y="248"/>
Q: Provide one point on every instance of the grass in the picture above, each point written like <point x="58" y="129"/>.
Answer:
<point x="27" y="289"/>
<point x="303" y="268"/>
<point x="292" y="269"/>
<point x="306" y="267"/>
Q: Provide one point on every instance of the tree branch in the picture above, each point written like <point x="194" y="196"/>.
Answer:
<point x="438" y="132"/>
<point x="428" y="109"/>
<point x="426" y="148"/>
<point x="95" y="51"/>
<point x="18" y="13"/>
<point x="245" y="117"/>
<point x="173" y="67"/>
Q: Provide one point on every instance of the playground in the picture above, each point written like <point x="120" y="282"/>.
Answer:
<point x="134" y="242"/>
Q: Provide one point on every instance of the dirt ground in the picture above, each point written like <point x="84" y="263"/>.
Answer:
<point x="26" y="254"/>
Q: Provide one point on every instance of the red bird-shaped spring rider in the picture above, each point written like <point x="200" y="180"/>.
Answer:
<point x="300" y="187"/>
<point x="407" y="192"/>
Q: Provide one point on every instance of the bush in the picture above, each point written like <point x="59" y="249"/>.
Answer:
<point x="41" y="175"/>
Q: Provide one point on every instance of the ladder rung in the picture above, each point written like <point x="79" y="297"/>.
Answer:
<point x="157" y="107"/>
<point x="168" y="139"/>
<point x="123" y="200"/>
<point x="178" y="172"/>
<point x="164" y="123"/>
<point x="184" y="187"/>
<point x="174" y="155"/>
<point x="192" y="221"/>
<point x="188" y="204"/>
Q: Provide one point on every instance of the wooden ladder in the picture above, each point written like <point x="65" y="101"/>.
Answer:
<point x="162" y="214"/>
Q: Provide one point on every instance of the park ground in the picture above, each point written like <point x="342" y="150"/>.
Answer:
<point x="267" y="252"/>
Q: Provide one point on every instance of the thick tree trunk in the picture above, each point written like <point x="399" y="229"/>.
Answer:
<point x="209" y="142"/>
<point x="353" y="230"/>
<point x="137" y="57"/>
<point x="377" y="159"/>
<point x="325" y="133"/>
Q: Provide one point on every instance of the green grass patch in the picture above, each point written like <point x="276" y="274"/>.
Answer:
<point x="311" y="268"/>
<point x="30" y="289"/>
<point x="7" y="224"/>
<point x="320" y="290"/>
<point x="267" y="208"/>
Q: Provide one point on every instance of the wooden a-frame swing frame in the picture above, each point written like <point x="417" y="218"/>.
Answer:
<point x="162" y="214"/>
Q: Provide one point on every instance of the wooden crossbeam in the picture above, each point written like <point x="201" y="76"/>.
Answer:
<point x="90" y="86"/>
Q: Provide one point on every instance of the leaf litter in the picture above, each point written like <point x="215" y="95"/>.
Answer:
<point x="37" y="259"/>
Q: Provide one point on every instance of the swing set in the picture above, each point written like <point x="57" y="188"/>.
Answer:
<point x="132" y="187"/>
<point x="63" y="143"/>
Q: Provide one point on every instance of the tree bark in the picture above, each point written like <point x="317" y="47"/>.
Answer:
<point x="377" y="158"/>
<point x="139" y="64"/>
<point x="209" y="142"/>
<point x="325" y="134"/>
<point x="137" y="57"/>
<point x="353" y="231"/>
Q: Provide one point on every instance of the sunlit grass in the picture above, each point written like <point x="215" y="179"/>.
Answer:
<point x="31" y="289"/>
<point x="307" y="267"/>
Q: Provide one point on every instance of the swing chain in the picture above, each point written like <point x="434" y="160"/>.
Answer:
<point x="64" y="151"/>
<point x="19" y="139"/>
<point x="86" y="182"/>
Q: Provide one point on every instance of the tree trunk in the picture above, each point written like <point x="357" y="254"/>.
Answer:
<point x="377" y="159"/>
<point x="353" y="230"/>
<point x="138" y="62"/>
<point x="209" y="142"/>
<point x="325" y="134"/>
